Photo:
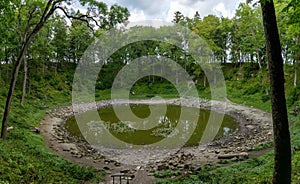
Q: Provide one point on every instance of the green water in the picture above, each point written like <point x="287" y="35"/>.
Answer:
<point x="165" y="119"/>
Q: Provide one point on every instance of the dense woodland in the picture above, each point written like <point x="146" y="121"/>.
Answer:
<point x="46" y="46"/>
<point x="61" y="43"/>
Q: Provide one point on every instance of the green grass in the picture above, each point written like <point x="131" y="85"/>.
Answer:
<point x="241" y="92"/>
<point x="24" y="157"/>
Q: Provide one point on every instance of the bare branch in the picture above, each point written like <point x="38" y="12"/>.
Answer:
<point x="84" y="18"/>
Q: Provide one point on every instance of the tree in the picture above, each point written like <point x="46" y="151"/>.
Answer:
<point x="288" y="18"/>
<point x="80" y="38"/>
<point x="197" y="16"/>
<point x="37" y="18"/>
<point x="29" y="33"/>
<point x="9" y="37"/>
<point x="215" y="31"/>
<point x="178" y="17"/>
<point x="60" y="41"/>
<point x="282" y="150"/>
<point x="247" y="34"/>
<point x="293" y="33"/>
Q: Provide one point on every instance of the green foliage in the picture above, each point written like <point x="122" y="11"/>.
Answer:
<point x="215" y="32"/>
<point x="293" y="96"/>
<point x="149" y="90"/>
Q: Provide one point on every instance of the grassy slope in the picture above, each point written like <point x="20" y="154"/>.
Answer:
<point x="24" y="157"/>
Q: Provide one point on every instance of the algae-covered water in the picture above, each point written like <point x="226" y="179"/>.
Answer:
<point x="154" y="122"/>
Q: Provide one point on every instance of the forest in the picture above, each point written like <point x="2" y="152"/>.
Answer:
<point x="42" y="42"/>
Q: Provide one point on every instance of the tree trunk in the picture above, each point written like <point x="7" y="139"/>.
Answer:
<point x="282" y="150"/>
<point x="29" y="83"/>
<point x="24" y="82"/>
<point x="296" y="62"/>
<point x="295" y="74"/>
<point x="153" y="70"/>
<point x="11" y="90"/>
<point x="177" y="79"/>
<point x="259" y="59"/>
<point x="55" y="68"/>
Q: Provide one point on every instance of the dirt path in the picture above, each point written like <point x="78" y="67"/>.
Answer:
<point x="255" y="129"/>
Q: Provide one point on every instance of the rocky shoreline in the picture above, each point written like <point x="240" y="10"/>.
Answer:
<point x="255" y="129"/>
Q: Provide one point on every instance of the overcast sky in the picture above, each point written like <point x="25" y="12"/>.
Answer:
<point x="164" y="9"/>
